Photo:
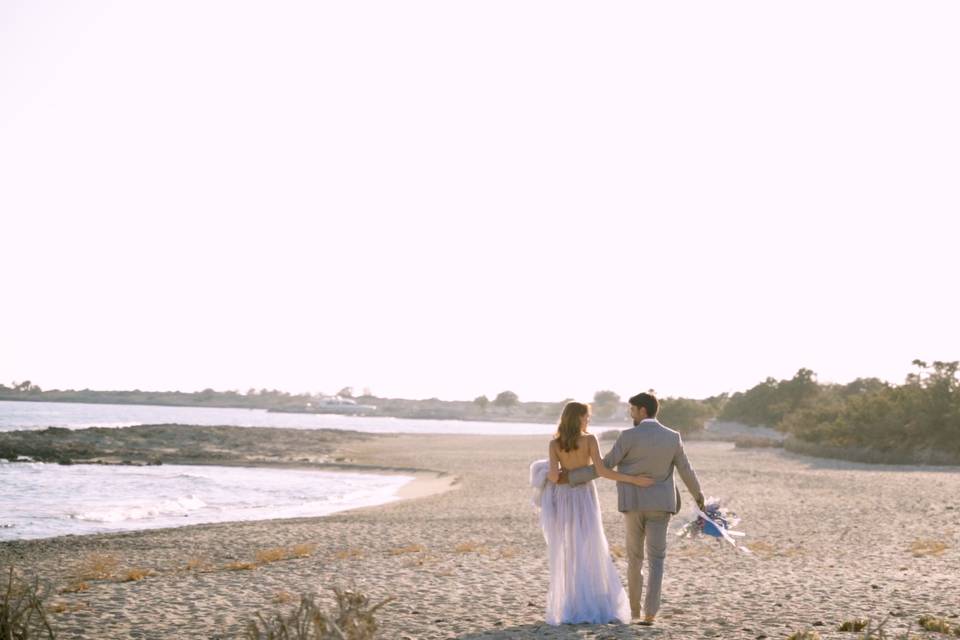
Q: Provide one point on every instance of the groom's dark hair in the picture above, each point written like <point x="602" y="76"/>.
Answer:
<point x="648" y="401"/>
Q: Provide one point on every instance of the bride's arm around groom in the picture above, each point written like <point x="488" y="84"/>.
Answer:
<point x="649" y="449"/>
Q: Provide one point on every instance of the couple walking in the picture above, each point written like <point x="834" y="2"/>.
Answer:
<point x="584" y="584"/>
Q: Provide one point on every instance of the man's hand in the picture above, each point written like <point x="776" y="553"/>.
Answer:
<point x="563" y="478"/>
<point x="700" y="502"/>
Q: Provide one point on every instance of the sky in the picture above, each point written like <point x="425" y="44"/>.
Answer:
<point x="448" y="199"/>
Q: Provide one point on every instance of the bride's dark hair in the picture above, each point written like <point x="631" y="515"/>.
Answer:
<point x="569" y="428"/>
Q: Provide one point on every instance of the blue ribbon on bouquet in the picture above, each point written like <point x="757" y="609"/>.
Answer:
<point x="718" y="529"/>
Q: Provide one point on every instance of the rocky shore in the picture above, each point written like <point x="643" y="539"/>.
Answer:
<point x="182" y="444"/>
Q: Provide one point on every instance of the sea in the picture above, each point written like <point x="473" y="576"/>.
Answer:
<point x="76" y="415"/>
<point x="43" y="500"/>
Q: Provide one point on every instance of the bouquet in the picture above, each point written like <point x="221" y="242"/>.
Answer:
<point x="715" y="521"/>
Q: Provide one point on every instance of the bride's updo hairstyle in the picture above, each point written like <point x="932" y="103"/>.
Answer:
<point x="569" y="428"/>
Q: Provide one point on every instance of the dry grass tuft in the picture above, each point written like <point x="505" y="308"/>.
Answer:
<point x="58" y="607"/>
<point x="921" y="548"/>
<point x="858" y="624"/>
<point x="932" y="623"/>
<point x="617" y="551"/>
<point x="304" y="550"/>
<point x="761" y="547"/>
<point x="97" y="566"/>
<point x="197" y="564"/>
<point x="349" y="554"/>
<point x="282" y="597"/>
<point x="410" y="548"/>
<point x="136" y="574"/>
<point x="266" y="556"/>
<point x="276" y="554"/>
<point x="354" y="620"/>
<point x="64" y="607"/>
<point x="754" y="442"/>
<point x="75" y="587"/>
<point x="239" y="566"/>
<point x="806" y="634"/>
<point x="871" y="632"/>
<point x="23" y="615"/>
<point x="508" y="552"/>
<point x="470" y="547"/>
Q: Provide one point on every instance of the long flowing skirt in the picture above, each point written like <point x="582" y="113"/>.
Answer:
<point x="584" y="583"/>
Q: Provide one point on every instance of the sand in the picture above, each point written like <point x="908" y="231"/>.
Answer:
<point x="464" y="557"/>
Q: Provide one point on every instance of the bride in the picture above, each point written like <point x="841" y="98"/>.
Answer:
<point x="584" y="584"/>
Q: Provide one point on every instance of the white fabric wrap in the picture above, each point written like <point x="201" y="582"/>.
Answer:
<point x="538" y="480"/>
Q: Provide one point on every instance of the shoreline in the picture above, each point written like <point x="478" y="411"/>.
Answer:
<point x="423" y="483"/>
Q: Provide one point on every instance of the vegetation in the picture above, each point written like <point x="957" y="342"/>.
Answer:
<point x="858" y="624"/>
<point x="605" y="404"/>
<point x="22" y="612"/>
<point x="252" y="399"/>
<point x="769" y="402"/>
<point x="354" y="620"/>
<point x="687" y="416"/>
<point x="24" y="615"/>
<point x="938" y="625"/>
<point x="506" y="399"/>
<point x="867" y="419"/>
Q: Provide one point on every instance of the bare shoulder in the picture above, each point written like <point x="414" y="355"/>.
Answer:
<point x="590" y="439"/>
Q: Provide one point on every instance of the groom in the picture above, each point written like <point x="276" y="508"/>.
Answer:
<point x="651" y="449"/>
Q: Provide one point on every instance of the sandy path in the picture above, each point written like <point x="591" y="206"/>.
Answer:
<point x="832" y="542"/>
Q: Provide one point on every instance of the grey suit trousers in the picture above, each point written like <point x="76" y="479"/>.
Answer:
<point x="646" y="529"/>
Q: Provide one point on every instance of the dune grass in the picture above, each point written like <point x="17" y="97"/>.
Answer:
<point x="197" y="564"/>
<point x="353" y="620"/>
<point x="75" y="587"/>
<point x="23" y="615"/>
<point x="136" y="574"/>
<point x="933" y="623"/>
<point x="349" y="554"/>
<point x="410" y="548"/>
<point x="928" y="547"/>
<point x="858" y="624"/>
<point x="276" y="554"/>
<point x="97" y="566"/>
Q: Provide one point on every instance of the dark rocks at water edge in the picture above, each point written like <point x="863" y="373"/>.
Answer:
<point x="176" y="443"/>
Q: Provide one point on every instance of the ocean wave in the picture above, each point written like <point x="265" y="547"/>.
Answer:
<point x="176" y="507"/>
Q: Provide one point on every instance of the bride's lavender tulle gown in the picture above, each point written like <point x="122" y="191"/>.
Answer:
<point x="584" y="584"/>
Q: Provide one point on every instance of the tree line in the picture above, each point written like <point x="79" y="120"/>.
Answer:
<point x="867" y="419"/>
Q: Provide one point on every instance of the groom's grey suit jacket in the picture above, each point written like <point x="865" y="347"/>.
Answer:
<point x="649" y="449"/>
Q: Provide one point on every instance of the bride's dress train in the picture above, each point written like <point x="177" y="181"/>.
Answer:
<point x="584" y="583"/>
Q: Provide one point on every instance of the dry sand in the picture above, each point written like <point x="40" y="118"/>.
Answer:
<point x="832" y="541"/>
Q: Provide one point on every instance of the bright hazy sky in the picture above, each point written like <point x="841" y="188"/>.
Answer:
<point x="456" y="198"/>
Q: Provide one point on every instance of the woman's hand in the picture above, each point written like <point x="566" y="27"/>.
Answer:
<point x="641" y="481"/>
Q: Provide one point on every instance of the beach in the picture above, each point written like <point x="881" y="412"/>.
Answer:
<point x="462" y="554"/>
